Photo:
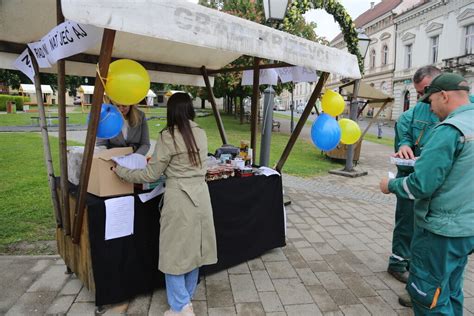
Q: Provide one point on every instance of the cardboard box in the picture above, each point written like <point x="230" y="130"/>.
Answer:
<point x="102" y="180"/>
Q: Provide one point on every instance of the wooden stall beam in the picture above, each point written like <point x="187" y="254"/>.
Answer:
<point x="254" y="107"/>
<point x="62" y="134"/>
<point x="104" y="62"/>
<point x="304" y="116"/>
<point x="217" y="115"/>
<point x="374" y="118"/>
<point x="46" y="146"/>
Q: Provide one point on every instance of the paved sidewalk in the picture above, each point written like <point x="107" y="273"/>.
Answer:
<point x="338" y="242"/>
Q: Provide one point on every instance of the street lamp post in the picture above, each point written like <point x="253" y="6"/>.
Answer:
<point x="364" y="42"/>
<point x="275" y="10"/>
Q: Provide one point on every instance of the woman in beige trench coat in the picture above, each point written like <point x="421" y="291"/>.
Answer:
<point x="187" y="235"/>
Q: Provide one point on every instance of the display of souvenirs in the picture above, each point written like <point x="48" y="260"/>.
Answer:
<point x="220" y="172"/>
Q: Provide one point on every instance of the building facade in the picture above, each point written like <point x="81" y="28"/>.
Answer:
<point x="379" y="63"/>
<point x="437" y="32"/>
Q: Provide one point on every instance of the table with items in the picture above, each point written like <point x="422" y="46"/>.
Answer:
<point x="248" y="216"/>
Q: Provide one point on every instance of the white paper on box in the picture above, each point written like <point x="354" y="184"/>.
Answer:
<point x="132" y="161"/>
<point x="119" y="217"/>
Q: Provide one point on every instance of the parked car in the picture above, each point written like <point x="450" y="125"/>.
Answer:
<point x="300" y="109"/>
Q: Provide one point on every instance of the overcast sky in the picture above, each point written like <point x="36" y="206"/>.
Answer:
<point x="326" y="25"/>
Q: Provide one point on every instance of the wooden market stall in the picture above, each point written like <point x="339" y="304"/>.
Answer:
<point x="177" y="42"/>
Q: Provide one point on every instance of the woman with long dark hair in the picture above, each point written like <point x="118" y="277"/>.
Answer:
<point x="187" y="235"/>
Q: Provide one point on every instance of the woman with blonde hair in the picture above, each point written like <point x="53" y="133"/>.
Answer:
<point x="187" y="234"/>
<point x="134" y="131"/>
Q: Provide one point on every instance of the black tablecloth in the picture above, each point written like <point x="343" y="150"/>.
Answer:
<point x="248" y="217"/>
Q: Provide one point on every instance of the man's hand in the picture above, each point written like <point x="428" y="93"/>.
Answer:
<point x="384" y="185"/>
<point x="405" y="152"/>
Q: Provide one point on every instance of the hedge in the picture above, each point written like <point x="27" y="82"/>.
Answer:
<point x="4" y="98"/>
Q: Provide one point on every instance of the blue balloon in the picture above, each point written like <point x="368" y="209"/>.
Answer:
<point x="110" y="122"/>
<point x="325" y="132"/>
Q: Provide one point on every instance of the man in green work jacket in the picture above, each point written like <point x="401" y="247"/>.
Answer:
<point x="442" y="188"/>
<point x="411" y="133"/>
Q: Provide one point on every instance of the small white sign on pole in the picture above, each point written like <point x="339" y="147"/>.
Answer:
<point x="40" y="53"/>
<point x="23" y="63"/>
<point x="267" y="76"/>
<point x="69" y="38"/>
<point x="303" y="74"/>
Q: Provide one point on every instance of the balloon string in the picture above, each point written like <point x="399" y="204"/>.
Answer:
<point x="100" y="77"/>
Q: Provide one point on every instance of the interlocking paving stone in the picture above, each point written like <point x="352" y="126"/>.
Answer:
<point x="377" y="306"/>
<point x="72" y="287"/>
<point x="61" y="305"/>
<point x="307" y="276"/>
<point x="52" y="279"/>
<point x="303" y="310"/>
<point x="280" y="270"/>
<point x="292" y="291"/>
<point x="250" y="309"/>
<point x="243" y="288"/>
<point x="330" y="280"/>
<point x="32" y="303"/>
<point x="322" y="298"/>
<point x="221" y="311"/>
<point x="82" y="308"/>
<point x="354" y="310"/>
<point x="271" y="302"/>
<point x="262" y="281"/>
<point x="139" y="305"/>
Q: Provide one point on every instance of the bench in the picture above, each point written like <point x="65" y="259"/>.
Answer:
<point x="35" y="120"/>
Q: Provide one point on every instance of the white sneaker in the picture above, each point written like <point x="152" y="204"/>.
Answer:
<point x="186" y="311"/>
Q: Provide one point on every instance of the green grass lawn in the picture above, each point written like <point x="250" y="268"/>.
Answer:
<point x="26" y="212"/>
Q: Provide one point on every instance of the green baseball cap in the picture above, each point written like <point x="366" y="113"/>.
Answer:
<point x="444" y="82"/>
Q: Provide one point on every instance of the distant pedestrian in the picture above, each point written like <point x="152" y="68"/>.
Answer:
<point x="379" y="129"/>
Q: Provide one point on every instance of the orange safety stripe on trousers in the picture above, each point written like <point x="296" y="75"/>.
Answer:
<point x="435" y="298"/>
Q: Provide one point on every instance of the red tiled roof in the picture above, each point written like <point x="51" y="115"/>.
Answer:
<point x="378" y="10"/>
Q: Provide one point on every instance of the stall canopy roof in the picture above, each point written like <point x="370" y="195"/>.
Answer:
<point x="30" y="88"/>
<point x="366" y="91"/>
<point x="174" y="33"/>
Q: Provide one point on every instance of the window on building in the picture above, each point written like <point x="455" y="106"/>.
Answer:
<point x="385" y="55"/>
<point x="408" y="55"/>
<point x="434" y="48"/>
<point x="469" y="40"/>
<point x="372" y="58"/>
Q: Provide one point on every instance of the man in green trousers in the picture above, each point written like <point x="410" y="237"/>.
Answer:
<point x="442" y="188"/>
<point x="412" y="130"/>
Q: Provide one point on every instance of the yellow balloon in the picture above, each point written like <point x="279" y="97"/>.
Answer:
<point x="332" y="103"/>
<point x="350" y="131"/>
<point x="127" y="82"/>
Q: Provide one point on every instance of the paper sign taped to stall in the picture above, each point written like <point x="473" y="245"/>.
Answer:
<point x="119" y="217"/>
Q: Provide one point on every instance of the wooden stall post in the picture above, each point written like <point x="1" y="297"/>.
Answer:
<point x="104" y="62"/>
<point x="62" y="134"/>
<point x="217" y="115"/>
<point x="46" y="147"/>
<point x="373" y="119"/>
<point x="254" y="107"/>
<point x="302" y="121"/>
